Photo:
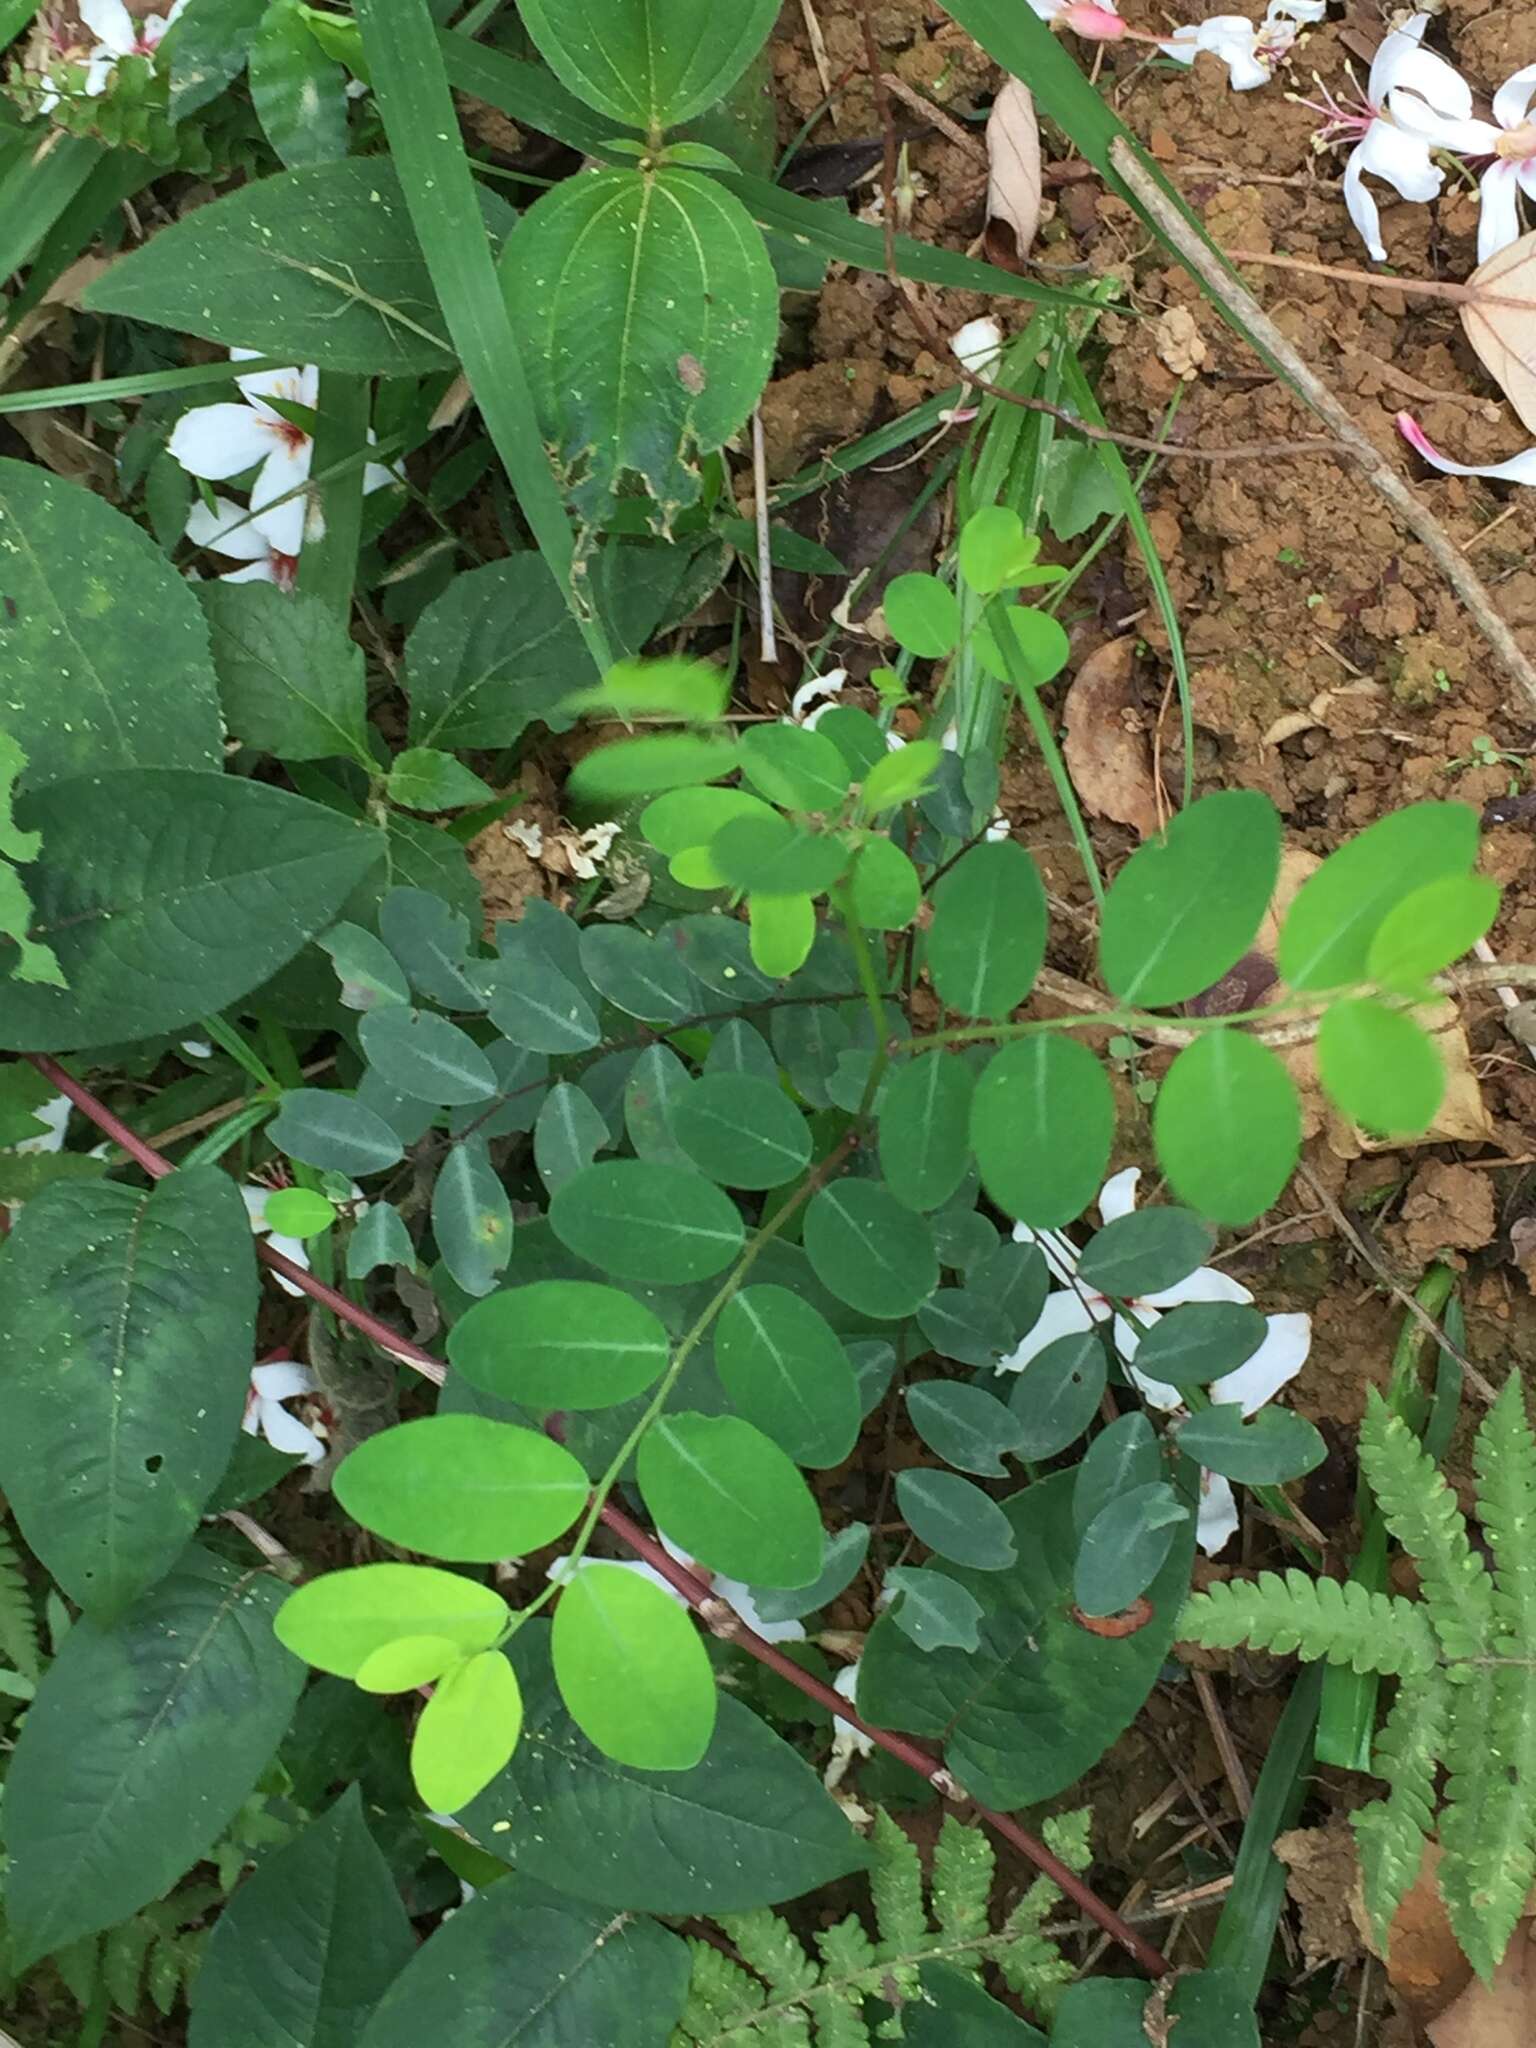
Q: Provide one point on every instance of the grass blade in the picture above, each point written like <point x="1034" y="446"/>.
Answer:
<point x="35" y="192"/>
<point x="144" y="384"/>
<point x="328" y="568"/>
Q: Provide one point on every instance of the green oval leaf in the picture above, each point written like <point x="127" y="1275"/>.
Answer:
<point x="1057" y="1394"/>
<point x="462" y="1487"/>
<point x="885" y="887"/>
<point x="1380" y="1067"/>
<point x="467" y="1731"/>
<point x="1145" y="1252"/>
<point x="560" y="1344"/>
<point x="405" y="1664"/>
<point x="682" y="819"/>
<point x="933" y="1610"/>
<point x="783" y="933"/>
<point x="1275" y="1445"/>
<point x="901" y="777"/>
<point x="1227" y="1126"/>
<point x="966" y="1426"/>
<point x="631" y="768"/>
<point x="869" y="1251"/>
<point x="471" y="1217"/>
<point x="922" y="614"/>
<point x="955" y="1519"/>
<point x="1186" y="906"/>
<point x="337" y="1622"/>
<point x="799" y="770"/>
<point x="786" y="1371"/>
<point x="742" y="1131"/>
<point x="632" y="1669"/>
<point x="1328" y="931"/>
<point x="641" y="1221"/>
<point x="417" y="1053"/>
<point x="568" y="1134"/>
<point x="1125" y="1546"/>
<point x="1042" y="1123"/>
<point x="643" y="977"/>
<point x="925" y="1129"/>
<point x="769" y="855"/>
<point x="1431" y="928"/>
<point x="1199" y="1342"/>
<point x="1040" y="648"/>
<point x="728" y="1496"/>
<point x="324" y="1128"/>
<point x="987" y="939"/>
<point x="532" y="1003"/>
<point x="648" y="63"/>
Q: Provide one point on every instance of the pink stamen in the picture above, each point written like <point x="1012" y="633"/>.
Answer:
<point x="1094" y="24"/>
<point x="285" y="569"/>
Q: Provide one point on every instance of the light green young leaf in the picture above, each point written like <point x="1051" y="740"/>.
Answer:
<point x="783" y="931"/>
<point x="649" y="63"/>
<point x="728" y="1496"/>
<point x="636" y="384"/>
<point x="369" y="973"/>
<point x="467" y="1732"/>
<point x="802" y="771"/>
<point x="922" y="615"/>
<point x="1227" y="1126"/>
<point x="339" y="1621"/>
<point x="1040" y="648"/>
<point x="900" y="778"/>
<point x="632" y="1669"/>
<point x="462" y="1488"/>
<point x="560" y="1344"/>
<point x="885" y="887"/>
<point x="693" y="692"/>
<point x="1328" y="931"/>
<point x="298" y="1212"/>
<point x="1042" y="1123"/>
<point x="772" y="857"/>
<point x="1431" y="928"/>
<point x="643" y="767"/>
<point x="1380" y="1067"/>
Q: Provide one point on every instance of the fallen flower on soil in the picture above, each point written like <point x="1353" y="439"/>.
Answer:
<point x="1515" y="469"/>
<point x="1249" y="49"/>
<point x="1508" y="141"/>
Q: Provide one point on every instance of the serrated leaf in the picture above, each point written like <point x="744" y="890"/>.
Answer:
<point x="426" y="779"/>
<point x="632" y="1670"/>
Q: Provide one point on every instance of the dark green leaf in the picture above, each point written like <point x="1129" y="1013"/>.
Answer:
<point x="569" y="1134"/>
<point x="417" y="1053"/>
<point x="1041" y="1700"/>
<point x="297" y="92"/>
<point x="307" y="1946"/>
<point x="495" y="652"/>
<point x="785" y="1370"/>
<point x="742" y="1131"/>
<point x="368" y="971"/>
<point x="1199" y="1342"/>
<point x="966" y="1426"/>
<point x="1042" y="1123"/>
<point x="431" y="941"/>
<point x="167" y="894"/>
<point x="749" y="1824"/>
<point x="1329" y="929"/>
<point x="641" y="976"/>
<point x="775" y="858"/>
<point x="933" y="1610"/>
<point x="1144" y="1253"/>
<point x="925" y="1136"/>
<point x="1185" y="907"/>
<point x="324" y="1128"/>
<point x="106" y="653"/>
<point x="560" y="1344"/>
<point x="632" y="1670"/>
<point x="471" y="1217"/>
<point x="207" y="49"/>
<point x="534" y="1005"/>
<point x="954" y="1518"/>
<point x="1057" y="1394"/>
<point x="1227" y="1125"/>
<point x="1275" y="1445"/>
<point x="1016" y="1279"/>
<point x="462" y="1488"/>
<point x="657" y="1085"/>
<point x="380" y="1239"/>
<point x="955" y="2007"/>
<point x="1125" y="1547"/>
<point x="967" y="1325"/>
<point x="728" y="1496"/>
<point x="521" y="1967"/>
<point x="1380" y="1067"/>
<point x="842" y="1558"/>
<point x="987" y="938"/>
<point x="650" y="63"/>
<point x="143" y="1741"/>
<point x="1121" y="1457"/>
<point x="640" y="1221"/>
<point x="426" y="779"/>
<point x="115" y="1302"/>
<point x="869" y="1251"/>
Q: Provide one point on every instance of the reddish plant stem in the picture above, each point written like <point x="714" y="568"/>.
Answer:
<point x="717" y="1615"/>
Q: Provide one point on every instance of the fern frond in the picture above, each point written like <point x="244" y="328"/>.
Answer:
<point x="1488" y="1820"/>
<point x="1391" y="1832"/>
<point x="837" y="2008"/>
<point x="18" y="1617"/>
<point x="1321" y="1618"/>
<point x="1420" y="1510"/>
<point x="1505" y="1460"/>
<point x="963" y="1867"/>
<point x="1070" y="1836"/>
<point x="770" y="1946"/>
<point x="723" y="2003"/>
<point x="896" y="1887"/>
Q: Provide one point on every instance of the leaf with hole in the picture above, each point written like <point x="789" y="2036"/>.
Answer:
<point x="1042" y="1123"/>
<point x="1271" y="1447"/>
<point x="869" y="1251"/>
<point x="965" y="1426"/>
<point x="1379" y="1066"/>
<point x="368" y="972"/>
<point x="1329" y="930"/>
<point x="632" y="1670"/>
<point x="1227" y="1126"/>
<point x="786" y="1371"/>
<point x="640" y="1221"/>
<point x="462" y="1488"/>
<point x="742" y="1131"/>
<point x="987" y="940"/>
<point x="727" y="1495"/>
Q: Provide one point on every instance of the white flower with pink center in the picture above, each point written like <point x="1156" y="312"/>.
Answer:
<point x="1508" y="141"/>
<point x="1249" y="49"/>
<point x="280" y="1380"/>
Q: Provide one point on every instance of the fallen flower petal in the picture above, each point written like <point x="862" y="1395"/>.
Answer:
<point x="1515" y="469"/>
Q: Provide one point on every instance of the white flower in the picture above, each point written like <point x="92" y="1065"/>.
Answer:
<point x="828" y="687"/>
<point x="847" y="1740"/>
<point x="1508" y="141"/>
<point x="229" y="529"/>
<point x="118" y="35"/>
<point x="1250" y="50"/>
<point x="978" y="347"/>
<point x="255" y="1199"/>
<point x="283" y="1379"/>
<point x="732" y="1591"/>
<point x="55" y="1114"/>
<point x="1515" y="469"/>
<point x="1407" y="86"/>
<point x="1076" y="1308"/>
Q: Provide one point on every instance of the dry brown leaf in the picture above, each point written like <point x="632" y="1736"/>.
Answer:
<point x="1320" y="1868"/>
<point x="1179" y="343"/>
<point x="1108" y="753"/>
<point x="1497" y="2015"/>
<point x="1504" y="334"/>
<point x="1013" y="182"/>
<point x="1425" y="1965"/>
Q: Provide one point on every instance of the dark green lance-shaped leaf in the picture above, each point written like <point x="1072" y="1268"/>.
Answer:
<point x="954" y="1518"/>
<point x="933" y="1610"/>
<point x="925" y="1133"/>
<point x="116" y="1303"/>
<point x="142" y="1742"/>
<point x="1186" y="906"/>
<point x="632" y="1670"/>
<point x="471" y="1217"/>
<point x="307" y="1946"/>
<point x="298" y="93"/>
<point x="728" y="1496"/>
<point x="1379" y="1066"/>
<point x="1057" y="1394"/>
<point x="522" y="1967"/>
<point x="1042" y="1123"/>
<point x="967" y="1426"/>
<point x="104" y="649"/>
<point x="1227" y="1126"/>
<point x="630" y="384"/>
<point x="532" y="1003"/>
<point x="956" y="2007"/>
<point x="1329" y="930"/>
<point x="208" y="49"/>
<point x="1120" y="1458"/>
<point x="340" y="1622"/>
<point x="643" y="977"/>
<point x="1199" y="1342"/>
<point x="496" y="651"/>
<point x="569" y="1134"/>
<point x="166" y="894"/>
<point x="322" y="1127"/>
<point x="426" y="779"/>
<point x="1145" y="1252"/>
<point x="987" y="938"/>
<point x="742" y="1131"/>
<point x="1125" y="1546"/>
<point x="747" y="1825"/>
<point x="462" y="1487"/>
<point x="800" y="770"/>
<point x="968" y="1325"/>
<point x="368" y="972"/>
<point x="786" y="1370"/>
<point x="418" y="1053"/>
<point x="316" y="265"/>
<point x="1431" y="928"/>
<point x="431" y="942"/>
<point x="648" y="63"/>
<point x="869" y="1251"/>
<point x="641" y="1221"/>
<point x="841" y="1558"/>
<point x="1275" y="1445"/>
<point x="560" y="1344"/>
<point x="1041" y="1699"/>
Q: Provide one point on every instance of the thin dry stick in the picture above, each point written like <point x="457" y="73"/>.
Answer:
<point x="1416" y="287"/>
<point x="717" y="1614"/>
<point x="946" y="126"/>
<point x="818" y="45"/>
<point x="768" y="640"/>
<point x="1226" y="1748"/>
<point x="1235" y="299"/>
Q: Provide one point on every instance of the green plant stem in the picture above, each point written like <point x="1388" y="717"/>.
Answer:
<point x="874" y="999"/>
<point x="209" y="1150"/>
